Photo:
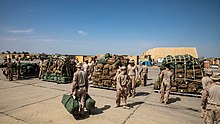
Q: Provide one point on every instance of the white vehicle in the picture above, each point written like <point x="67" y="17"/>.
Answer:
<point x="214" y="66"/>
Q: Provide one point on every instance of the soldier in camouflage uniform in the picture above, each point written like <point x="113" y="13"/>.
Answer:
<point x="133" y="75"/>
<point x="80" y="86"/>
<point x="211" y="101"/>
<point x="85" y="67"/>
<point x="122" y="88"/>
<point x="206" y="80"/>
<point x="18" y="68"/>
<point x="4" y="69"/>
<point x="143" y="74"/>
<point x="166" y="76"/>
<point x="9" y="67"/>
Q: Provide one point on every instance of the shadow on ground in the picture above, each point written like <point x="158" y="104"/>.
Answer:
<point x="94" y="111"/>
<point x="131" y="105"/>
<point x="173" y="100"/>
<point x="142" y="94"/>
<point x="100" y="110"/>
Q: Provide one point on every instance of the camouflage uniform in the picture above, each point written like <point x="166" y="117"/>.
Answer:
<point x="211" y="101"/>
<point x="144" y="75"/>
<point x="122" y="86"/>
<point x="205" y="82"/>
<point x="41" y="68"/>
<point x="86" y="67"/>
<point x="117" y="73"/>
<point x="4" y="69"/>
<point x="18" y="68"/>
<point x="9" y="66"/>
<point x="80" y="86"/>
<point x="133" y="74"/>
<point x="167" y="76"/>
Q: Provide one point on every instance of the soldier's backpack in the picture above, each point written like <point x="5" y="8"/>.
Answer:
<point x="71" y="104"/>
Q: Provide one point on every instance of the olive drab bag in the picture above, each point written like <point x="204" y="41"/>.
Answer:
<point x="90" y="103"/>
<point x="71" y="104"/>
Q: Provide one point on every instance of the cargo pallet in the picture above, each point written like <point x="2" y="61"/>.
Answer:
<point x="182" y="94"/>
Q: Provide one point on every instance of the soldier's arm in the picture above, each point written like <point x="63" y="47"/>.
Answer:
<point x="203" y="83"/>
<point x="74" y="83"/>
<point x="172" y="77"/>
<point x="136" y="72"/>
<point x="119" y="82"/>
<point x="161" y="74"/>
<point x="204" y="98"/>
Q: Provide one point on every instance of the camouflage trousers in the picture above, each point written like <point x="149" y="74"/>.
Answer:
<point x="203" y="105"/>
<point x="143" y="79"/>
<point x="165" y="92"/>
<point x="4" y="71"/>
<point x="10" y="74"/>
<point x="81" y="94"/>
<point x="121" y="94"/>
<point x="133" y="85"/>
<point x="212" y="114"/>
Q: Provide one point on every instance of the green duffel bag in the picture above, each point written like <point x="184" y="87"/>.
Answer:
<point x="71" y="104"/>
<point x="90" y="103"/>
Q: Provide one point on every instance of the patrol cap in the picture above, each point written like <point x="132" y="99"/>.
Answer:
<point x="123" y="68"/>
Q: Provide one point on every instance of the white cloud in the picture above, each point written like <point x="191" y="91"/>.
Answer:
<point x="46" y="40"/>
<point x="21" y="30"/>
<point x="82" y="33"/>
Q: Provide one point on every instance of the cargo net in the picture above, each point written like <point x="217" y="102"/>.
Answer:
<point x="106" y="69"/>
<point x="188" y="73"/>
<point x="57" y="69"/>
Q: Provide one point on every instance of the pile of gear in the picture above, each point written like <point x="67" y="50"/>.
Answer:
<point x="188" y="73"/>
<point x="57" y="69"/>
<point x="20" y="69"/>
<point x="105" y="71"/>
<point x="29" y="70"/>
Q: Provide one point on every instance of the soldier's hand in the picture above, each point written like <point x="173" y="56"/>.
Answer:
<point x="120" y="88"/>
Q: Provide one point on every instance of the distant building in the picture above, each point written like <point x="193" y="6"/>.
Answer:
<point x="161" y="52"/>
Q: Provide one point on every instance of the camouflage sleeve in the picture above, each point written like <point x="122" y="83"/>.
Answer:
<point x="118" y="82"/>
<point x="204" y="98"/>
<point x="136" y="72"/>
<point x="161" y="74"/>
<point x="172" y="77"/>
<point x="74" y="83"/>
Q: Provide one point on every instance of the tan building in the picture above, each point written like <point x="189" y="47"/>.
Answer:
<point x="173" y="51"/>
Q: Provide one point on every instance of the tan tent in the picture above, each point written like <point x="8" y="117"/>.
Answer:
<point x="173" y="51"/>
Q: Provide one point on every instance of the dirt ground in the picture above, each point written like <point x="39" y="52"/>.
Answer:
<point x="34" y="101"/>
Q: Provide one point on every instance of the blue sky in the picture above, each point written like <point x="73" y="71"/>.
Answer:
<point x="117" y="26"/>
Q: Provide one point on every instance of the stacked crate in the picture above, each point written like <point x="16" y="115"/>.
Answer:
<point x="187" y="74"/>
<point x="106" y="69"/>
<point x="58" y="69"/>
